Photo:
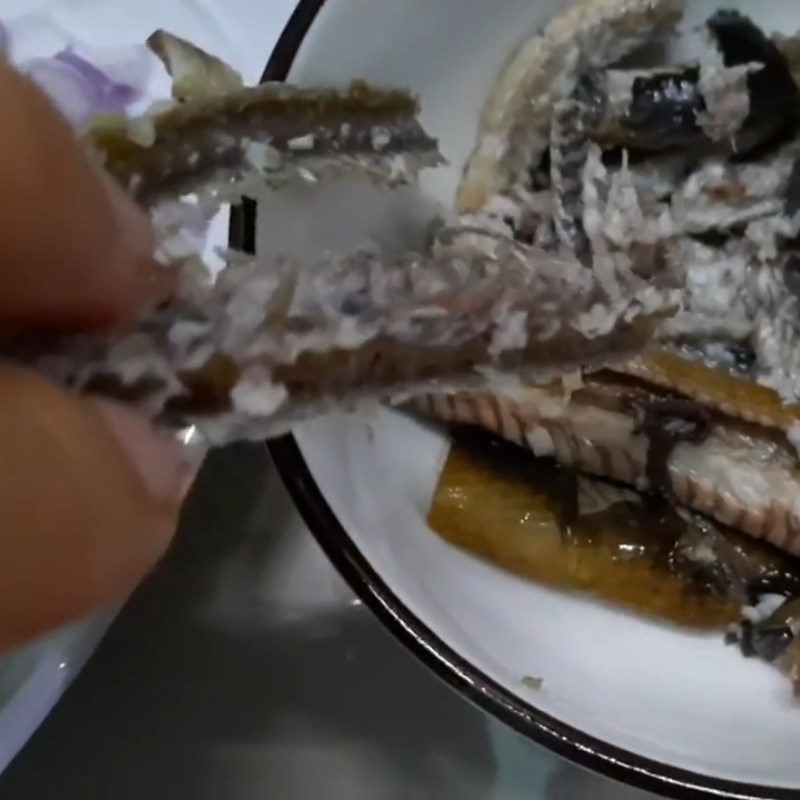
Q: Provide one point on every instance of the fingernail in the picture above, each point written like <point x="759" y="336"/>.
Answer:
<point x="134" y="225"/>
<point x="158" y="460"/>
<point x="135" y="229"/>
<point x="151" y="283"/>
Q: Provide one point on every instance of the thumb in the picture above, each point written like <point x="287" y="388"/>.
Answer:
<point x="89" y="498"/>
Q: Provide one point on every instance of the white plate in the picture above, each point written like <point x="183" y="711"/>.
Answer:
<point x="657" y="707"/>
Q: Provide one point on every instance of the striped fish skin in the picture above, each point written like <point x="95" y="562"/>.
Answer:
<point x="569" y="151"/>
<point x="742" y="473"/>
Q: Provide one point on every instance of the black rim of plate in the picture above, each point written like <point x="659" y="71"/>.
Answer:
<point x="462" y="676"/>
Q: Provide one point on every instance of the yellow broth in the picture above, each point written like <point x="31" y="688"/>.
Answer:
<point x="512" y="511"/>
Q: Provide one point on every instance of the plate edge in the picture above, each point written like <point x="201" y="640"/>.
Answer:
<point x="341" y="550"/>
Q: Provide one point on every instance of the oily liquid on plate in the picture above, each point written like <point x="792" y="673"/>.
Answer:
<point x="498" y="502"/>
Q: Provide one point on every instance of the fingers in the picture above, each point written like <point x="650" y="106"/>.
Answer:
<point x="75" y="250"/>
<point x="89" y="498"/>
<point x="89" y="494"/>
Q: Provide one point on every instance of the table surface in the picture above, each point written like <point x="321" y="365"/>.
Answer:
<point x="244" y="667"/>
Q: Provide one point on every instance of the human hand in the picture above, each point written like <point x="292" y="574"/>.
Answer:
<point x="89" y="492"/>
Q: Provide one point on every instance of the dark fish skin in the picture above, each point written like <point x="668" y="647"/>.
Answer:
<point x="792" y="204"/>
<point x="674" y="121"/>
<point x="770" y="638"/>
<point x="741" y="41"/>
<point x="210" y="140"/>
<point x="661" y="114"/>
<point x="774" y="95"/>
<point x="663" y="106"/>
<point x="667" y="423"/>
